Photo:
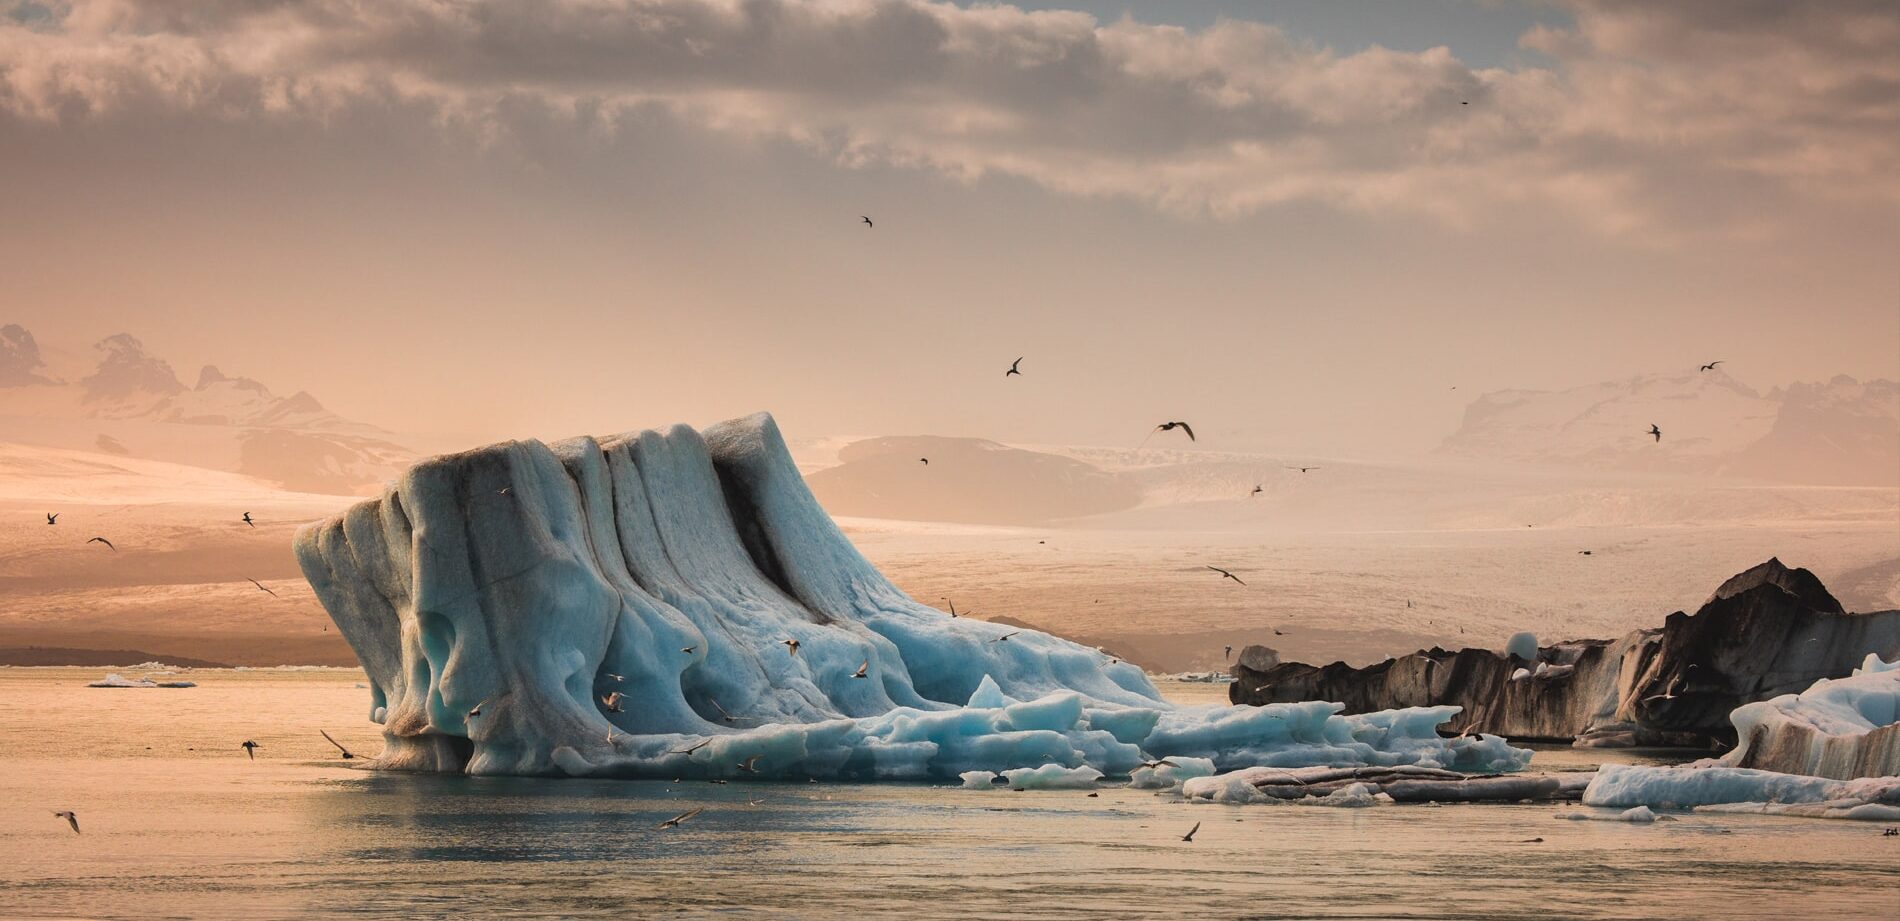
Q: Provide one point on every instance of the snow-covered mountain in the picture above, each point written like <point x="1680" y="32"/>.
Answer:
<point x="132" y="403"/>
<point x="1842" y="432"/>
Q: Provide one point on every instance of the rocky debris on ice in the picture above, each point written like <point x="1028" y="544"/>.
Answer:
<point x="497" y="597"/>
<point x="1401" y="784"/>
<point x="1768" y="631"/>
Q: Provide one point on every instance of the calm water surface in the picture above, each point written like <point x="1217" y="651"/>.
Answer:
<point x="178" y="823"/>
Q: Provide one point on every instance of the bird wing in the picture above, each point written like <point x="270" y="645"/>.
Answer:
<point x="339" y="746"/>
<point x="1190" y="835"/>
<point x="104" y="541"/>
<point x="1189" y="430"/>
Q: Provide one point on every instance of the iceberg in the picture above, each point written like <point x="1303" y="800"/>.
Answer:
<point x="1709" y="787"/>
<point x="666" y="604"/>
<point x="116" y="680"/>
<point x="1841" y="729"/>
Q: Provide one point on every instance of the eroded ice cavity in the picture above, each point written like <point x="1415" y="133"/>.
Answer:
<point x="498" y="598"/>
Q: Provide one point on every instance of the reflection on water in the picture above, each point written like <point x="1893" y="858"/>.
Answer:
<point x="190" y="828"/>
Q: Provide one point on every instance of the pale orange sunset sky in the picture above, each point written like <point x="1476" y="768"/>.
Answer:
<point x="1299" y="224"/>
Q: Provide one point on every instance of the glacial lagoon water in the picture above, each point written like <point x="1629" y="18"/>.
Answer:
<point x="178" y="823"/>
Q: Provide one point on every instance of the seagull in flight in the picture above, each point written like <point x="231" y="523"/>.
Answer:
<point x="1012" y="368"/>
<point x="250" y="748"/>
<point x="1171" y="426"/>
<point x="70" y="817"/>
<point x="687" y="751"/>
<point x="791" y="645"/>
<point x="1653" y="430"/>
<point x="866" y="220"/>
<point x="1190" y="835"/>
<point x="688" y="649"/>
<point x="926" y="461"/>
<point x="612" y="702"/>
<point x="247" y="520"/>
<point x="261" y="588"/>
<point x="750" y="765"/>
<point x="1151" y="765"/>
<point x="101" y="540"/>
<point x="1585" y="552"/>
<point x="1710" y="366"/>
<point x="1005" y="637"/>
<point x="616" y="678"/>
<point x="864" y="669"/>
<point x="1302" y="469"/>
<point x="1228" y="652"/>
<point x="476" y="710"/>
<point x="722" y="711"/>
<point x="52" y="518"/>
<point x="675" y="821"/>
<point x="339" y="746"/>
<point x="1257" y="490"/>
<point x="1225" y="574"/>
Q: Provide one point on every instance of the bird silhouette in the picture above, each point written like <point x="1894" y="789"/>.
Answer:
<point x="1227" y="652"/>
<point x="101" y="540"/>
<point x="1257" y="490"/>
<point x="612" y="702"/>
<point x="1225" y="574"/>
<point x="71" y="818"/>
<point x="261" y="588"/>
<point x="247" y="520"/>
<point x="1162" y="762"/>
<point x="476" y="710"/>
<point x="863" y="670"/>
<point x="1302" y="469"/>
<point x="615" y="678"/>
<point x="791" y="645"/>
<point x="750" y="765"/>
<point x="250" y="748"/>
<point x="1585" y="552"/>
<point x="1190" y="835"/>
<point x="1653" y="430"/>
<point x="1012" y="368"/>
<point x="1710" y="366"/>
<point x="867" y="221"/>
<point x="687" y="751"/>
<point x="1171" y="426"/>
<point x="1005" y="637"/>
<point x="688" y="649"/>
<point x="722" y="711"/>
<point x="339" y="746"/>
<point x="52" y="518"/>
<point x="926" y="461"/>
<point x="675" y="821"/>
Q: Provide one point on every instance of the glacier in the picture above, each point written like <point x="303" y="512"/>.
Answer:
<point x="668" y="604"/>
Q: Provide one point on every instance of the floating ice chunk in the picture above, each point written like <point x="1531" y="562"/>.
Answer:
<point x="1833" y="809"/>
<point x="1842" y="728"/>
<point x="1522" y="645"/>
<point x="1637" y="814"/>
<point x="1744" y="789"/>
<point x="1178" y="768"/>
<point x="1521" y="674"/>
<point x="1351" y="796"/>
<point x="978" y="780"/>
<point x="116" y="680"/>
<point x="1052" y="777"/>
<point x="988" y="696"/>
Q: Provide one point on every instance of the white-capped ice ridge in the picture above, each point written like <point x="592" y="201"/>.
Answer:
<point x="500" y="598"/>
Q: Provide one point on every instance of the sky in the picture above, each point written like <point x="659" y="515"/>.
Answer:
<point x="1296" y="224"/>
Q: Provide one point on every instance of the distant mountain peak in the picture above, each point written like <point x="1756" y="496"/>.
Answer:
<point x="127" y="371"/>
<point x="20" y="361"/>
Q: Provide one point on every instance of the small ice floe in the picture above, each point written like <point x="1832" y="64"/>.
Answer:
<point x="1053" y="777"/>
<point x="1638" y="814"/>
<point x="978" y="780"/>
<point x="116" y="680"/>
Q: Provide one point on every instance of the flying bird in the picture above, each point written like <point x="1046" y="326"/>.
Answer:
<point x="1151" y="765"/>
<point x="864" y="669"/>
<point x="1257" y="490"/>
<point x="1171" y="426"/>
<point x="261" y="588"/>
<point x="1190" y="835"/>
<point x="1653" y="430"/>
<point x="675" y="821"/>
<point x="1005" y="637"/>
<point x="101" y="540"/>
<point x="925" y="460"/>
<point x="615" y="678"/>
<point x="1710" y="366"/>
<point x="476" y="710"/>
<point x="250" y="748"/>
<point x="1228" y="652"/>
<point x="70" y="817"/>
<point x="1302" y="469"/>
<point x="867" y="221"/>
<point x="1225" y="574"/>
<point x="687" y="751"/>
<point x="750" y="765"/>
<point x="722" y="711"/>
<point x="612" y="702"/>
<point x="688" y="649"/>
<point x="791" y="645"/>
<point x="52" y="518"/>
<point x="247" y="520"/>
<point x="1012" y="368"/>
<point x="1585" y="552"/>
<point x="339" y="746"/>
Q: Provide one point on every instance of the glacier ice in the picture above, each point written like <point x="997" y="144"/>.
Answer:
<point x="1522" y="645"/>
<point x="1053" y="777"/>
<point x="500" y="597"/>
<point x="1640" y="814"/>
<point x="1716" y="788"/>
<point x="1842" y="728"/>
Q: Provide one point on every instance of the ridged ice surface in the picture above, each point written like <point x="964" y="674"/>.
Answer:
<point x="499" y="598"/>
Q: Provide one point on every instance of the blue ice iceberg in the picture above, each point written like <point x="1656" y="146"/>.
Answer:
<point x="672" y="604"/>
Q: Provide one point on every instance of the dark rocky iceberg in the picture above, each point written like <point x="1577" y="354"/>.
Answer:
<point x="1765" y="632"/>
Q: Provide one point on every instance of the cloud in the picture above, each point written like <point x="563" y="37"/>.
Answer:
<point x="1655" y="121"/>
